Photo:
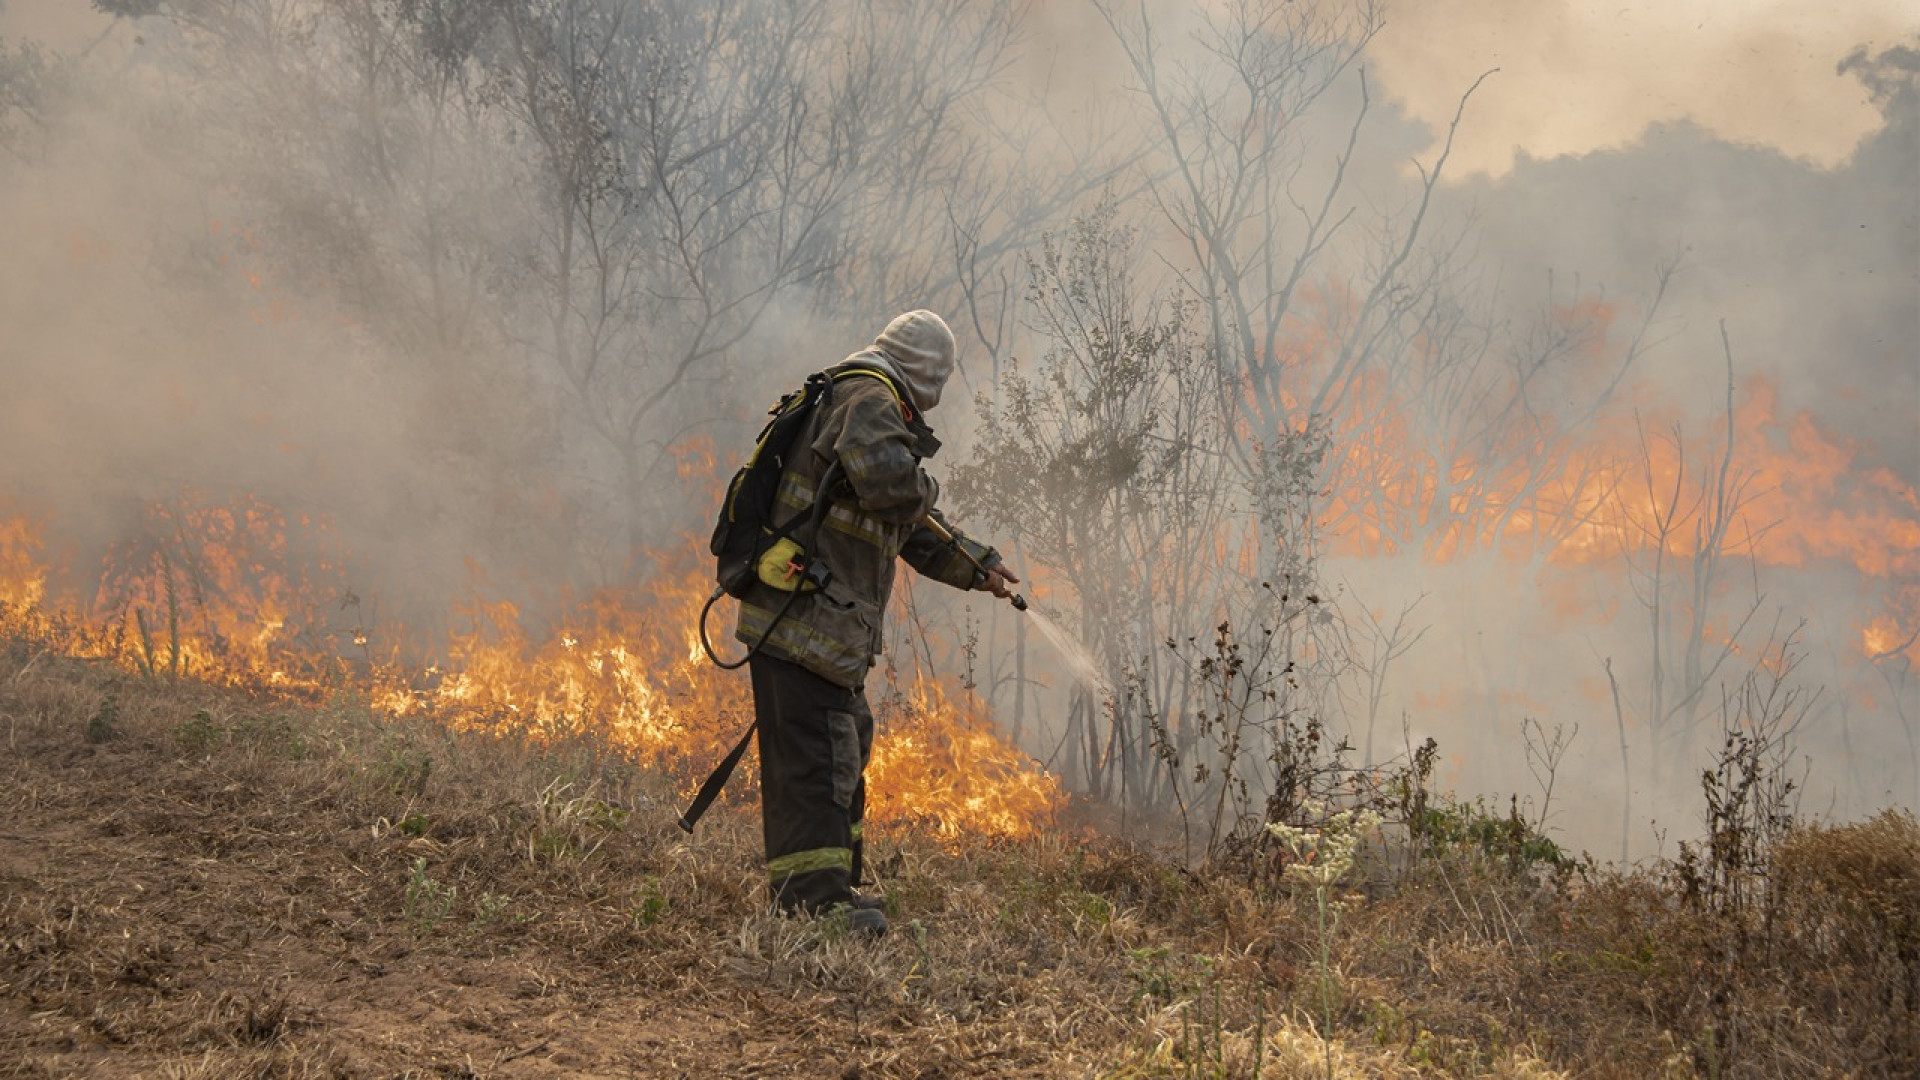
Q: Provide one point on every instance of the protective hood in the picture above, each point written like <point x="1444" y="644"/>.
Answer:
<point x="921" y="350"/>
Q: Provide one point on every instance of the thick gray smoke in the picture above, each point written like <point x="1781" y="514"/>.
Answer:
<point x="1815" y="273"/>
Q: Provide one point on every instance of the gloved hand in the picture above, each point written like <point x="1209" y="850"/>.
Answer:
<point x="997" y="580"/>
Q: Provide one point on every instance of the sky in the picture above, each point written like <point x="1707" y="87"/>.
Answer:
<point x="1582" y="75"/>
<point x="1574" y="75"/>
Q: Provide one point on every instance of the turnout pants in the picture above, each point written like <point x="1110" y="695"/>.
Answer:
<point x="815" y="741"/>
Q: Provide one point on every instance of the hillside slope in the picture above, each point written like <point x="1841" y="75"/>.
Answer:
<point x="198" y="882"/>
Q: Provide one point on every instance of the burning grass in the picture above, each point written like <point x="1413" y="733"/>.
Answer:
<point x="237" y="592"/>
<point x="208" y="881"/>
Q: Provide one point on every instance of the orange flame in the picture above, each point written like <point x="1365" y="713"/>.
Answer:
<point x="942" y="764"/>
<point x="237" y="593"/>
<point x="23" y="581"/>
<point x="1589" y="497"/>
<point x="232" y="592"/>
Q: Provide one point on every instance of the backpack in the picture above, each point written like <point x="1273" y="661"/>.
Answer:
<point x="747" y="543"/>
<point x="745" y="529"/>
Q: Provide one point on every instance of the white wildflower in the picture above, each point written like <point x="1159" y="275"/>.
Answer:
<point x="1322" y="856"/>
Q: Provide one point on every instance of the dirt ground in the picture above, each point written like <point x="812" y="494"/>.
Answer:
<point x="180" y="896"/>
<point x="154" y="914"/>
<point x="207" y="883"/>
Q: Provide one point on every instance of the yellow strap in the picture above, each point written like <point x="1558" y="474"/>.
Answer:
<point x="805" y="862"/>
<point x="733" y="492"/>
<point x="884" y="381"/>
<point x="848" y="374"/>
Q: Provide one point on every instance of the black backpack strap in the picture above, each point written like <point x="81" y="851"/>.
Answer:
<point x="710" y="790"/>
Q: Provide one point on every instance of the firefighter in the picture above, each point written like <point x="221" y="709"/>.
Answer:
<point x="809" y="672"/>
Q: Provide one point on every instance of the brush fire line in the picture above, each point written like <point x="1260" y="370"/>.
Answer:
<point x="233" y="591"/>
<point x="219" y="593"/>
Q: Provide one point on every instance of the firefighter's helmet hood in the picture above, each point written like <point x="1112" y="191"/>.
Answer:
<point x="922" y="350"/>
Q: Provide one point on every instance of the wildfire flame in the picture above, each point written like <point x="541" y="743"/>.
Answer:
<point x="1627" y="484"/>
<point x="238" y="593"/>
<point x="23" y="581"/>
<point x="217" y="590"/>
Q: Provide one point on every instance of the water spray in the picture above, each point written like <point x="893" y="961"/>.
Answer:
<point x="952" y="536"/>
<point x="1079" y="661"/>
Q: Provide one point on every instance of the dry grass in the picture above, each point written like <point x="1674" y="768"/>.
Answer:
<point x="204" y="883"/>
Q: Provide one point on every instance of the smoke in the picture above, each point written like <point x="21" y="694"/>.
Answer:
<point x="1578" y="76"/>
<point x="235" y="262"/>
<point x="1813" y="270"/>
<point x="165" y="340"/>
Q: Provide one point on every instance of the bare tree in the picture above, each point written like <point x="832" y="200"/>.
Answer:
<point x="623" y="193"/>
<point x="362" y="143"/>
<point x="1377" y="397"/>
<point x="1107" y="466"/>
<point x="25" y="75"/>
<point x="653" y="165"/>
<point x="701" y="166"/>
<point x="1359" y="329"/>
<point x="1682" y="538"/>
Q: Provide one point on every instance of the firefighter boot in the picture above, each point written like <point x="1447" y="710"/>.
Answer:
<point x="861" y="921"/>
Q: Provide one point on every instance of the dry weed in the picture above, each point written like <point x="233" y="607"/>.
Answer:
<point x="242" y="886"/>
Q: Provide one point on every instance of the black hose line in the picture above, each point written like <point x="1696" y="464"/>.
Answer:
<point x="814" y="517"/>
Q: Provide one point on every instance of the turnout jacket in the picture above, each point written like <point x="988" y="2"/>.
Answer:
<point x="872" y="518"/>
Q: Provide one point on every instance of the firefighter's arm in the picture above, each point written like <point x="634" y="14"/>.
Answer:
<point x="875" y="451"/>
<point x="954" y="559"/>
